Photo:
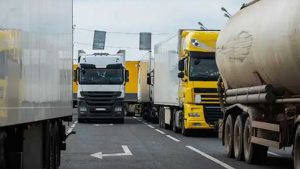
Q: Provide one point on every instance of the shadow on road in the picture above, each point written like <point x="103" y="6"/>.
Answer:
<point x="206" y="133"/>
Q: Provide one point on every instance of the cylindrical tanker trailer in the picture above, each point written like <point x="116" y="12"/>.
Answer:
<point x="258" y="56"/>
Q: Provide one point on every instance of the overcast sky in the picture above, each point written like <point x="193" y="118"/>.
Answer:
<point x="161" y="17"/>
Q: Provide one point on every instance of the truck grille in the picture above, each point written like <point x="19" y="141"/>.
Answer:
<point x="208" y="94"/>
<point x="100" y="98"/>
<point x="212" y="114"/>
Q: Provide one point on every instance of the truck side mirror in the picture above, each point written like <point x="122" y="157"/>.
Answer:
<point x="148" y="80"/>
<point x="180" y="75"/>
<point x="181" y="65"/>
<point x="126" y="75"/>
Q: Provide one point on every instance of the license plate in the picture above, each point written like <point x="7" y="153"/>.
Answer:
<point x="100" y="109"/>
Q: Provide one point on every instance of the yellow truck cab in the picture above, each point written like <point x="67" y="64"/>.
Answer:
<point x="199" y="74"/>
<point x="185" y="81"/>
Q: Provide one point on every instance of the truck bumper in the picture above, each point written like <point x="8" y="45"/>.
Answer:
<point x="101" y="111"/>
<point x="202" y="121"/>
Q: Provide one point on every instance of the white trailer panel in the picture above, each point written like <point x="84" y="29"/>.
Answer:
<point x="35" y="60"/>
<point x="143" y="87"/>
<point x="166" y="81"/>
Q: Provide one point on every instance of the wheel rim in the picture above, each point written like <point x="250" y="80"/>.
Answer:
<point x="227" y="133"/>
<point x="237" y="138"/>
<point x="247" y="140"/>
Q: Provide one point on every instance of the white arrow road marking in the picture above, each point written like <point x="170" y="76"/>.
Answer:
<point x="127" y="152"/>
<point x="210" y="158"/>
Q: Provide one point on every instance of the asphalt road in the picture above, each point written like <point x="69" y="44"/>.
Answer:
<point x="141" y="145"/>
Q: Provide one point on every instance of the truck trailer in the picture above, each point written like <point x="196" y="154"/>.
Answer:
<point x="185" y="82"/>
<point x="101" y="86"/>
<point x="259" y="89"/>
<point x="35" y="82"/>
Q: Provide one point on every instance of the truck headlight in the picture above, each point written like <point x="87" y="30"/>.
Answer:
<point x="198" y="98"/>
<point x="194" y="115"/>
<point x="82" y="108"/>
<point x="118" y="109"/>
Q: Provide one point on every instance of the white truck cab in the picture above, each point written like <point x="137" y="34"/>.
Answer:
<point x="101" y="86"/>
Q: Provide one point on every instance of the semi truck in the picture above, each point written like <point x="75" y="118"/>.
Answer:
<point x="35" y="82"/>
<point x="184" y="83"/>
<point x="131" y="87"/>
<point x="259" y="88"/>
<point x="101" y="86"/>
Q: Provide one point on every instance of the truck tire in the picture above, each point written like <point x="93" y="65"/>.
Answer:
<point x="238" y="137"/>
<point x="228" y="136"/>
<point x="121" y="120"/>
<point x="57" y="145"/>
<point x="161" y="117"/>
<point x="174" y="127"/>
<point x="297" y="149"/>
<point x="253" y="153"/>
<point x="80" y="120"/>
<point x="183" y="129"/>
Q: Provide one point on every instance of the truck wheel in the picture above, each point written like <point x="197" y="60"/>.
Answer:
<point x="297" y="149"/>
<point x="161" y="117"/>
<point x="183" y="129"/>
<point x="121" y="120"/>
<point x="228" y="136"/>
<point x="238" y="137"/>
<point x="253" y="153"/>
<point x="174" y="127"/>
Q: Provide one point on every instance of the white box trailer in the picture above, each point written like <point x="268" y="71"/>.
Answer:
<point x="35" y="82"/>
<point x="166" y="81"/>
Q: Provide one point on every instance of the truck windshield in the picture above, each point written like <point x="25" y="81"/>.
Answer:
<point x="203" y="68"/>
<point x="101" y="76"/>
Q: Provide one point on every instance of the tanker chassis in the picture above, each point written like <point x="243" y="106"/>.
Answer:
<point x="259" y="87"/>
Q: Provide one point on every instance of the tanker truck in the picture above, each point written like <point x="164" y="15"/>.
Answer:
<point x="259" y="88"/>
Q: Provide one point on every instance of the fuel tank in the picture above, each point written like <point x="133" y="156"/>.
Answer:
<point x="261" y="45"/>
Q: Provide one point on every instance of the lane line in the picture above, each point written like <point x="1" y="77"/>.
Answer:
<point x="274" y="154"/>
<point x="150" y="126"/>
<point x="72" y="127"/>
<point x="145" y="123"/>
<point x="210" y="157"/>
<point x="134" y="117"/>
<point x="173" y="138"/>
<point x="161" y="132"/>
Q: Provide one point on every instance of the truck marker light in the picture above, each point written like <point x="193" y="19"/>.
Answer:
<point x="118" y="109"/>
<point x="193" y="115"/>
<point x="82" y="109"/>
<point x="198" y="98"/>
